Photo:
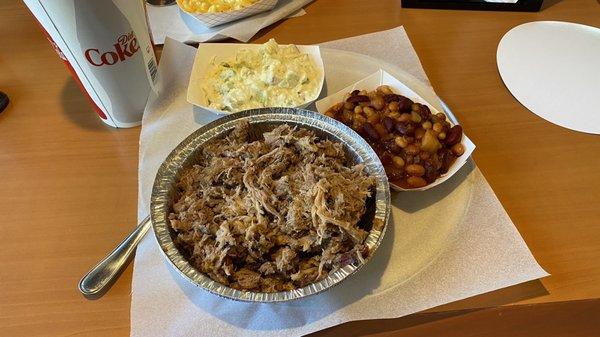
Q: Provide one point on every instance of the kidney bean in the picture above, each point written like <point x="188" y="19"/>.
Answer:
<point x="453" y="135"/>
<point x="424" y="111"/>
<point x="370" y="131"/>
<point x="391" y="98"/>
<point x="358" y="99"/>
<point x="388" y="123"/>
<point x="446" y="158"/>
<point x="405" y="129"/>
<point x="430" y="172"/>
<point x="404" y="104"/>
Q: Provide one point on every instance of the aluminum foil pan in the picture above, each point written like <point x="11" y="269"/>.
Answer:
<point x="262" y="120"/>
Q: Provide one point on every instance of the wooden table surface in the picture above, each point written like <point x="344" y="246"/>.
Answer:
<point x="68" y="182"/>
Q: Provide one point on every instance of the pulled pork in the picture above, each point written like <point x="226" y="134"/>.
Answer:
<point x="274" y="214"/>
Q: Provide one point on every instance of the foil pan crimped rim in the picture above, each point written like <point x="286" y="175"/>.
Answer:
<point x="183" y="155"/>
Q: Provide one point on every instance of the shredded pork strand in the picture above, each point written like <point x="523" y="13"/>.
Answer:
<point x="274" y="214"/>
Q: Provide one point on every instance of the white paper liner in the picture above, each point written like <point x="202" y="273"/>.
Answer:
<point x="453" y="242"/>
<point x="382" y="77"/>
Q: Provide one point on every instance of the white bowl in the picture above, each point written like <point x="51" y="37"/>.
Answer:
<point x="222" y="51"/>
<point x="381" y="77"/>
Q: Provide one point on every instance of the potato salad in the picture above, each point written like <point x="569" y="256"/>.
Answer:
<point x="272" y="76"/>
<point x="214" y="6"/>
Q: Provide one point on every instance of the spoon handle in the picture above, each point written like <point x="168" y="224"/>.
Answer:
<point x="98" y="280"/>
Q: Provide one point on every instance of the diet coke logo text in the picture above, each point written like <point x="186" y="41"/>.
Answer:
<point x="126" y="46"/>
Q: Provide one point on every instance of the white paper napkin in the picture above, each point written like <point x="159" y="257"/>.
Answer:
<point x="170" y="21"/>
<point x="449" y="243"/>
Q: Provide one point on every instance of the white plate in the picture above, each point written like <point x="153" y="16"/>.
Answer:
<point x="553" y="69"/>
<point x="407" y="249"/>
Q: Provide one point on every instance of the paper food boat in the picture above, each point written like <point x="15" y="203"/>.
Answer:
<point x="215" y="19"/>
<point x="381" y="77"/>
<point x="222" y="51"/>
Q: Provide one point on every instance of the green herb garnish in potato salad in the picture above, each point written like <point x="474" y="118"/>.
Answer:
<point x="272" y="76"/>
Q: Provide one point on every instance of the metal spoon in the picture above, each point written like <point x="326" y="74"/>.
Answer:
<point x="99" y="280"/>
<point x="161" y="3"/>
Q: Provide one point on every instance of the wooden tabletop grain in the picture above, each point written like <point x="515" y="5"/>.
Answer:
<point x="68" y="183"/>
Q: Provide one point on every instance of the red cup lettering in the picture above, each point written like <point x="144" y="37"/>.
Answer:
<point x="109" y="60"/>
<point x="126" y="46"/>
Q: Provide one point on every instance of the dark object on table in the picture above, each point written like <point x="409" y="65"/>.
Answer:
<point x="480" y="5"/>
<point x="3" y="101"/>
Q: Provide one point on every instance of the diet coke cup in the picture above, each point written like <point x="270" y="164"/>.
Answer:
<point x="106" y="46"/>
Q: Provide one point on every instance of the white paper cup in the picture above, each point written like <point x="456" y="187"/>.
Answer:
<point x="222" y="51"/>
<point x="215" y="19"/>
<point x="381" y="77"/>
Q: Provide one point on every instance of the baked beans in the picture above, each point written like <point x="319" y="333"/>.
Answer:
<point x="414" y="145"/>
